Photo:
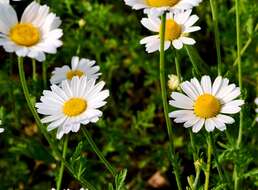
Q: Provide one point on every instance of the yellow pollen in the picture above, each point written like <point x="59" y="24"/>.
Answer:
<point x="162" y="3"/>
<point x="25" y="34"/>
<point x="74" y="73"/>
<point x="74" y="107"/>
<point x="172" y="30"/>
<point x="207" y="106"/>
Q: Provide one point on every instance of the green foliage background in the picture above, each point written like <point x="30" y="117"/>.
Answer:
<point x="132" y="133"/>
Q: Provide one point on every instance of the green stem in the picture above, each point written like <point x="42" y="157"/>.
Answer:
<point x="42" y="128"/>
<point x="61" y="171"/>
<point x="44" y="74"/>
<point x="239" y="139"/>
<point x="98" y="152"/>
<point x="208" y="166"/>
<point x="213" y="4"/>
<point x="195" y="158"/>
<point x="34" y="70"/>
<point x="178" y="69"/>
<point x="165" y="104"/>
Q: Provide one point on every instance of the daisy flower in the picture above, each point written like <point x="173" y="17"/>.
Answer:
<point x="178" y="25"/>
<point x="72" y="104"/>
<point x="80" y="67"/>
<point x="4" y="1"/>
<point x="34" y="35"/>
<point x="206" y="104"/>
<point x="162" y="5"/>
<point x="256" y="110"/>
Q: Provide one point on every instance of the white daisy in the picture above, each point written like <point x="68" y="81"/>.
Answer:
<point x="37" y="32"/>
<point x="162" y="5"/>
<point x="206" y="104"/>
<point x="178" y="25"/>
<point x="4" y="1"/>
<point x="72" y="104"/>
<point x="256" y="110"/>
<point x="83" y="67"/>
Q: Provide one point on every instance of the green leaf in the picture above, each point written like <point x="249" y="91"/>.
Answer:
<point x="120" y="178"/>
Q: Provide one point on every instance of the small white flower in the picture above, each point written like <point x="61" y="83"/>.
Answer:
<point x="72" y="104"/>
<point x="206" y="104"/>
<point x="173" y="82"/>
<point x="1" y="130"/>
<point x="34" y="35"/>
<point x="162" y="5"/>
<point x="178" y="25"/>
<point x="83" y="67"/>
<point x="256" y="110"/>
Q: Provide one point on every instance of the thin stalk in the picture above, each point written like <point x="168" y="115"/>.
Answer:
<point x="34" y="70"/>
<point x="98" y="152"/>
<point x="178" y="69"/>
<point x="213" y="4"/>
<point x="192" y="59"/>
<point x="208" y="166"/>
<point x="165" y="103"/>
<point x="61" y="171"/>
<point x="240" y="133"/>
<point x="44" y="74"/>
<point x="195" y="158"/>
<point x="42" y="128"/>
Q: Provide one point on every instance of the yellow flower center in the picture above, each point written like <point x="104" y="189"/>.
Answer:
<point x="162" y="3"/>
<point x="74" y="73"/>
<point x="74" y="107"/>
<point x="25" y="34"/>
<point x="207" y="106"/>
<point x="172" y="30"/>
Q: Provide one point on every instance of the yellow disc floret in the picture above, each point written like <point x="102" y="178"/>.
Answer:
<point x="25" y="34"/>
<point x="207" y="106"/>
<point x="162" y="3"/>
<point x="172" y="31"/>
<point x="74" y="73"/>
<point x="74" y="107"/>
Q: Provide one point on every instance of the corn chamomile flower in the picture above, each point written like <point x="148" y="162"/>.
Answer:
<point x="173" y="82"/>
<point x="80" y="67"/>
<point x="72" y="104"/>
<point x="162" y="5"/>
<point x="178" y="25"/>
<point x="206" y="103"/>
<point x="256" y="110"/>
<point x="37" y="32"/>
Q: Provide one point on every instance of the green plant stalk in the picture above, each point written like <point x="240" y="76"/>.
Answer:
<point x="44" y="74"/>
<point x="208" y="166"/>
<point x="178" y="69"/>
<point x="98" y="152"/>
<point x="34" y="70"/>
<point x="41" y="127"/>
<point x="195" y="158"/>
<point x="240" y="133"/>
<point x="165" y="104"/>
<point x="213" y="4"/>
<point x="61" y="171"/>
<point x="192" y="59"/>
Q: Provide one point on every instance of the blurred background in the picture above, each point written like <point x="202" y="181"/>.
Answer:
<point x="132" y="133"/>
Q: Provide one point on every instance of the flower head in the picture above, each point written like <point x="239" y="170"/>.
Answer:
<point x="79" y="67"/>
<point x="206" y="103"/>
<point x="173" y="82"/>
<point x="178" y="25"/>
<point x="72" y="104"/>
<point x="34" y="35"/>
<point x="162" y="5"/>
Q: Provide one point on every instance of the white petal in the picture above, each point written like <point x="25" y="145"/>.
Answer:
<point x="198" y="126"/>
<point x="206" y="84"/>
